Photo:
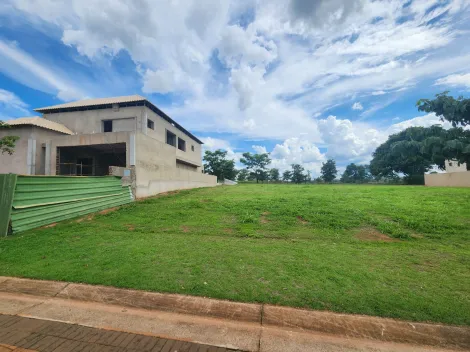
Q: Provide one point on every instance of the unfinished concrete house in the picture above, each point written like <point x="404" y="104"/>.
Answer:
<point x="126" y="136"/>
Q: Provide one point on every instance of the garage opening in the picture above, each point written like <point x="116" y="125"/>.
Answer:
<point x="90" y="160"/>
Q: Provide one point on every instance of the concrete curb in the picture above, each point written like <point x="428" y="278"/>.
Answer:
<point x="345" y="325"/>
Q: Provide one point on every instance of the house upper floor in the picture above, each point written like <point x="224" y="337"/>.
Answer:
<point x="124" y="114"/>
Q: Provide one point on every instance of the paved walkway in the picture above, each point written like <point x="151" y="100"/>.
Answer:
<point x="27" y="335"/>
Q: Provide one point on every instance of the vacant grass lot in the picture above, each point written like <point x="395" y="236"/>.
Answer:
<point x="391" y="251"/>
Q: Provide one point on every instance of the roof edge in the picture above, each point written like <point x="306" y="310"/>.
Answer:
<point x="144" y="102"/>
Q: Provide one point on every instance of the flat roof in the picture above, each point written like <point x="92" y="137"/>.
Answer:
<point x="107" y="103"/>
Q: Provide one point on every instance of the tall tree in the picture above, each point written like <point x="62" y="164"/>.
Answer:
<point x="297" y="173"/>
<point x="217" y="165"/>
<point x="356" y="174"/>
<point x="405" y="153"/>
<point x="257" y="164"/>
<point x="7" y="143"/>
<point x="328" y="170"/>
<point x="308" y="177"/>
<point x="274" y="174"/>
<point x="242" y="175"/>
<point x="287" y="176"/>
<point x="453" y="143"/>
<point x="456" y="111"/>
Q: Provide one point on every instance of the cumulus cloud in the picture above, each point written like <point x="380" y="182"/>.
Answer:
<point x="462" y="80"/>
<point x="357" y="106"/>
<point x="270" y="75"/>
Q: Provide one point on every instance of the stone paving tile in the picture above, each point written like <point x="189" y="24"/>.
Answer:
<point x="34" y="335"/>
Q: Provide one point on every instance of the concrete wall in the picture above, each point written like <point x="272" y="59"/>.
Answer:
<point x="156" y="170"/>
<point x="451" y="179"/>
<point x="91" y="121"/>
<point x="159" y="133"/>
<point x="129" y="119"/>
<point x="29" y="157"/>
<point x="89" y="139"/>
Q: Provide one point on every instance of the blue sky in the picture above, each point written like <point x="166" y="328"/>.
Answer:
<point x="304" y="80"/>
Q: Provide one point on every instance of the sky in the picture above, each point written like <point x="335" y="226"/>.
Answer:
<point x="305" y="80"/>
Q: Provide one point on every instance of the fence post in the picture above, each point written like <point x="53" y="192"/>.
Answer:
<point x="7" y="191"/>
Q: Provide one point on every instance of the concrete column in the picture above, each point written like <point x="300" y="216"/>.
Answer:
<point x="47" y="161"/>
<point x="31" y="157"/>
<point x="144" y="123"/>
<point x="132" y="149"/>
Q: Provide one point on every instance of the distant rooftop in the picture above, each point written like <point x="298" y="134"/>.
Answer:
<point x="40" y="122"/>
<point x="107" y="103"/>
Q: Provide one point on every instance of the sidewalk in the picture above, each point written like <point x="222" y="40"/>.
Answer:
<point x="209" y="322"/>
<point x="26" y="334"/>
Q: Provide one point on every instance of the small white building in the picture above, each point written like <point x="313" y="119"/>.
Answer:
<point x="453" y="166"/>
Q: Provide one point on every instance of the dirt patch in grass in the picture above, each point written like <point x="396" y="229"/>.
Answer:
<point x="50" y="225"/>
<point x="130" y="227"/>
<point x="228" y="231"/>
<point x="185" y="228"/>
<point x="263" y="218"/>
<point x="372" y="234"/>
<point x="164" y="194"/>
<point x="88" y="218"/>
<point x="107" y="211"/>
<point x="302" y="220"/>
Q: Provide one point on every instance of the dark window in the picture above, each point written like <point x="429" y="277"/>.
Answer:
<point x="150" y="124"/>
<point x="181" y="144"/>
<point x="108" y="126"/>
<point x="170" y="138"/>
<point x="192" y="148"/>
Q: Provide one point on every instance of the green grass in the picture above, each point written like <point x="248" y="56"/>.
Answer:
<point x="312" y="246"/>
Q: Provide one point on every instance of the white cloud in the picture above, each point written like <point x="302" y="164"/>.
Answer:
<point x="455" y="80"/>
<point x="424" y="121"/>
<point x="259" y="149"/>
<point x="24" y="68"/>
<point x="357" y="106"/>
<point x="297" y="151"/>
<point x="11" y="105"/>
<point x="271" y="77"/>
<point x="214" y="144"/>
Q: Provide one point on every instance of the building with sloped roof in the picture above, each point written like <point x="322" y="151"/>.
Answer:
<point x="127" y="135"/>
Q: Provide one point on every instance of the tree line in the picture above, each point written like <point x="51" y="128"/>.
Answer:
<point x="404" y="157"/>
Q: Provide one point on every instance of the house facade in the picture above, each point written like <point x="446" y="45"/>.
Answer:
<point x="92" y="137"/>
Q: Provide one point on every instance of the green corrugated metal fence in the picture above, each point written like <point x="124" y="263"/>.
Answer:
<point x="7" y="190"/>
<point x="43" y="200"/>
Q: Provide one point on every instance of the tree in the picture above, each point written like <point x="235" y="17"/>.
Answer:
<point x="217" y="165"/>
<point x="242" y="175"/>
<point x="453" y="143"/>
<point x="7" y="143"/>
<point x="256" y="163"/>
<point x="286" y="176"/>
<point x="328" y="170"/>
<point x="308" y="177"/>
<point x="297" y="173"/>
<point x="356" y="174"/>
<point x="274" y="174"/>
<point x="413" y="152"/>
<point x="456" y="111"/>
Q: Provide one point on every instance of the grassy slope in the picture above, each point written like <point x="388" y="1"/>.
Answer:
<point x="282" y="244"/>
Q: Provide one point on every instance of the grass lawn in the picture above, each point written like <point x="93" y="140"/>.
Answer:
<point x="392" y="251"/>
